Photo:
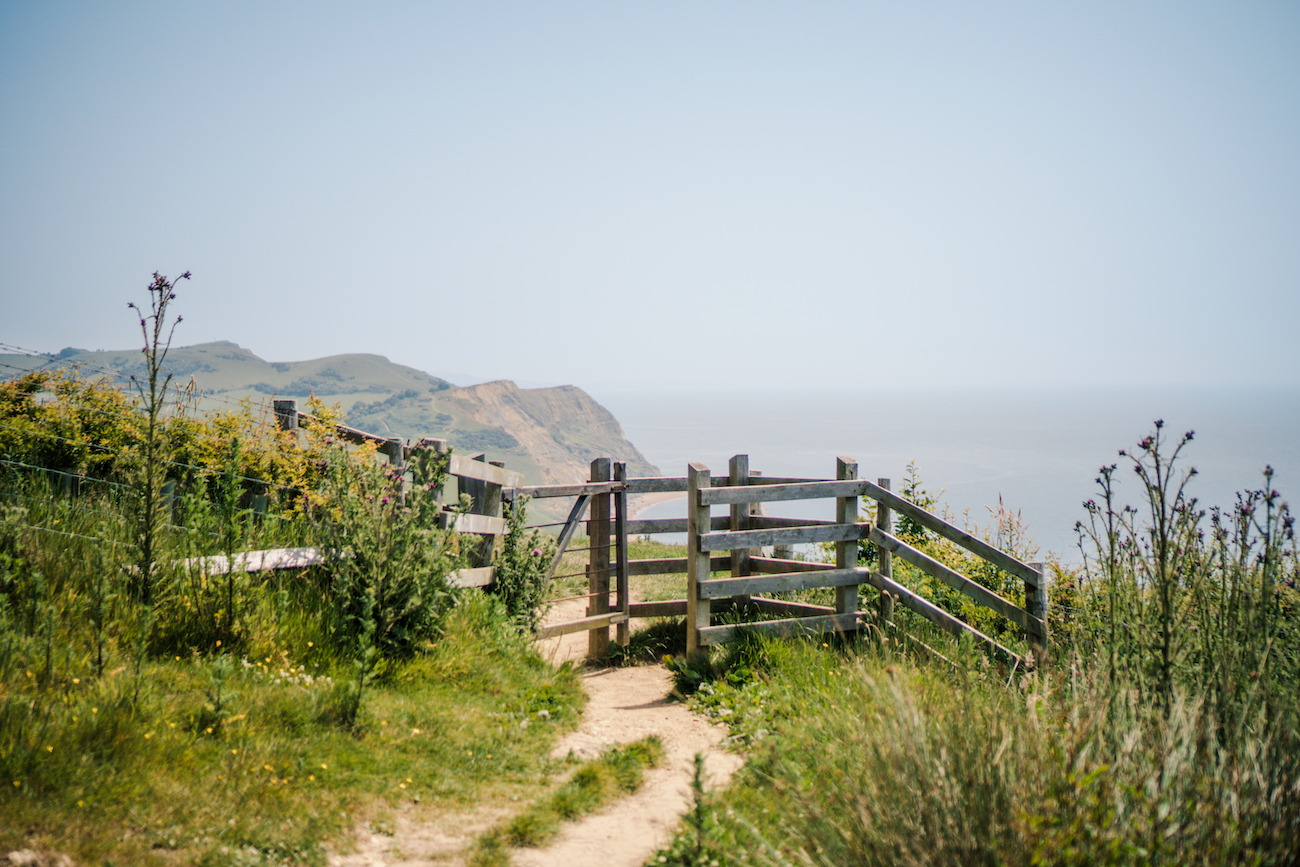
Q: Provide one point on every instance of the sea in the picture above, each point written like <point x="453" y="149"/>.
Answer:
<point x="1038" y="452"/>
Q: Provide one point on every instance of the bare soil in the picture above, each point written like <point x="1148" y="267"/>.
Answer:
<point x="625" y="704"/>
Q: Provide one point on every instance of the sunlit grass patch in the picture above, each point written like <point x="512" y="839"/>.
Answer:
<point x="596" y="783"/>
<point x="216" y="757"/>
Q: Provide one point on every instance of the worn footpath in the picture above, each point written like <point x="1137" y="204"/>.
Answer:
<point x="625" y="704"/>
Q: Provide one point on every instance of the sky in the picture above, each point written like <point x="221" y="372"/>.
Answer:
<point x="669" y="195"/>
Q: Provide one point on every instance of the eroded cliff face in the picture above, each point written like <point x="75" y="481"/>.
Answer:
<point x="559" y="430"/>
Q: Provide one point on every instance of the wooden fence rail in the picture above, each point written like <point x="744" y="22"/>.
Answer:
<point x="474" y="476"/>
<point x="733" y="543"/>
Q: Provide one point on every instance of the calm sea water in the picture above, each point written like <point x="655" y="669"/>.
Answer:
<point x="1040" y="451"/>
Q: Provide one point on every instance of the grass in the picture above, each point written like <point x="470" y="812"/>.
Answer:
<point x="593" y="785"/>
<point x="204" y="773"/>
<point x="858" y="755"/>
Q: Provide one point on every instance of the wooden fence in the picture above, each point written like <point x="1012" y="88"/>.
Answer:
<point x="735" y="543"/>
<point x="482" y="480"/>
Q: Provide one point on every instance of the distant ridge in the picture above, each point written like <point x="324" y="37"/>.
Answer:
<point x="549" y="434"/>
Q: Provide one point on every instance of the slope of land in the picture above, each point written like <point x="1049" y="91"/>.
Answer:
<point x="549" y="434"/>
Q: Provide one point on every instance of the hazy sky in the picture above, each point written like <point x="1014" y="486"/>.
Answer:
<point x="681" y="195"/>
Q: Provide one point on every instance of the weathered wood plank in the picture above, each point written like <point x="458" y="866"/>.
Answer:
<point x="956" y="581"/>
<point x="583" y="624"/>
<point x="667" y="608"/>
<point x="286" y="414"/>
<point x="539" y="492"/>
<point x="793" y="609"/>
<point x="351" y="434"/>
<point x="775" y="493"/>
<point x="1036" y="606"/>
<point x="788" y="536"/>
<point x="480" y="577"/>
<point x="673" y="566"/>
<point x="937" y="616"/>
<point x="598" y="530"/>
<point x="771" y="522"/>
<point x="483" y="525"/>
<point x="566" y="534"/>
<point x="639" y="485"/>
<point x="846" y="553"/>
<point x="783" y="480"/>
<point x="772" y="566"/>
<point x="979" y="547"/>
<point x="723" y="588"/>
<point x="697" y="559"/>
<point x="672" y="525"/>
<point x="739" y="517"/>
<point x="270" y="560"/>
<point x="657" y="485"/>
<point x="467" y="468"/>
<point x="622" y="598"/>
<point x="782" y="628"/>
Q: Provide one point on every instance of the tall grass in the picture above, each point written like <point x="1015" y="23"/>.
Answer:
<point x="861" y="756"/>
<point x="1165" y="732"/>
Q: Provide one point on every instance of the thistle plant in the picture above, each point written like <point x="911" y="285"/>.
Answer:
<point x="521" y="568"/>
<point x="386" y="577"/>
<point x="151" y="389"/>
<point x="1171" y="608"/>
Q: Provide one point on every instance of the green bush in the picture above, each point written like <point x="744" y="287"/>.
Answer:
<point x="521" y="564"/>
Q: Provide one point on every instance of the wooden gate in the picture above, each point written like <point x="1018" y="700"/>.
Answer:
<point x="735" y="543"/>
<point x="765" y="575"/>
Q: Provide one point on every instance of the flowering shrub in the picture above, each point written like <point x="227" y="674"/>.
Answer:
<point x="384" y="584"/>
<point x="521" y="566"/>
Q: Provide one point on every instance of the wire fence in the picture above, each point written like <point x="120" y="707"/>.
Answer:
<point x="104" y="450"/>
<point x="98" y="449"/>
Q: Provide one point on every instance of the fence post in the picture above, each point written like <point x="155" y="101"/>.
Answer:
<point x="598" y="561"/>
<point x="475" y="488"/>
<point x="286" y="414"/>
<point x="1036" y="606"/>
<point x="740" y="567"/>
<point x="623" y="597"/>
<point x="884" y="559"/>
<point x="697" y="561"/>
<point x="846" y="553"/>
<point x="757" y="510"/>
<point x="439" y="449"/>
<point x="393" y="450"/>
<point x="492" y="508"/>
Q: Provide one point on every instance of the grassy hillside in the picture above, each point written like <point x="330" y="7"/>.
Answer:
<point x="549" y="434"/>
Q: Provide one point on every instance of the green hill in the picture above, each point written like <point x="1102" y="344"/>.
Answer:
<point x="549" y="434"/>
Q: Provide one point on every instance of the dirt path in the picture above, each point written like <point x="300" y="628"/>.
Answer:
<point x="625" y="704"/>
